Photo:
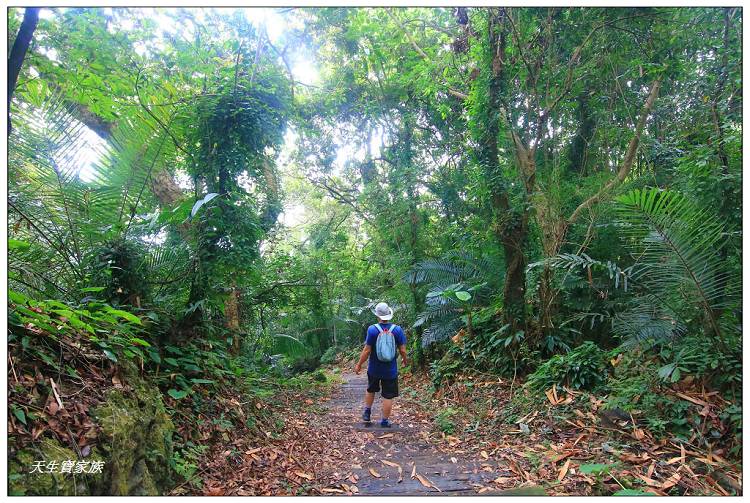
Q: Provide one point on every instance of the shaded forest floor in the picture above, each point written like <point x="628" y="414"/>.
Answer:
<point x="453" y="442"/>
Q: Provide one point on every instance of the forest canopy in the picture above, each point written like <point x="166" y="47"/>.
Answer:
<point x="207" y="204"/>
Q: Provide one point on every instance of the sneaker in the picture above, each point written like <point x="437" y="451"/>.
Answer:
<point x="385" y="423"/>
<point x="366" y="414"/>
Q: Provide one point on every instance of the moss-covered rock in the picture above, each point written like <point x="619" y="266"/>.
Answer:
<point x="24" y="477"/>
<point x="135" y="444"/>
<point x="136" y="441"/>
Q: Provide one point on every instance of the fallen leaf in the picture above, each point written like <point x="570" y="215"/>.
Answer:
<point x="454" y="460"/>
<point x="691" y="399"/>
<point x="374" y="473"/>
<point x="426" y="482"/>
<point x="484" y="455"/>
<point x="631" y="458"/>
<point x="551" y="395"/>
<point x="649" y="481"/>
<point x="414" y="471"/>
<point x="214" y="491"/>
<point x="303" y="475"/>
<point x="559" y="457"/>
<point x="331" y="490"/>
<point x="717" y="486"/>
<point x="354" y="489"/>
<point x="671" y="481"/>
<point x="390" y="463"/>
<point x="387" y="435"/>
<point x="563" y="471"/>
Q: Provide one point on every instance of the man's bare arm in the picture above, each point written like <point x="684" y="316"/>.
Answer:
<point x="362" y="357"/>
<point x="402" y="350"/>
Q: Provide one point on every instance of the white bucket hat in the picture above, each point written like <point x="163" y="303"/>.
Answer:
<point x="383" y="311"/>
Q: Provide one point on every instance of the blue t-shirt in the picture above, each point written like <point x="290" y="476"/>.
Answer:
<point x="376" y="368"/>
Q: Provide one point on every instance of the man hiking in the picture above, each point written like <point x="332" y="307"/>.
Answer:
<point x="382" y="371"/>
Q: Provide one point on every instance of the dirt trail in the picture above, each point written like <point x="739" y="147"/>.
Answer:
<point x="384" y="450"/>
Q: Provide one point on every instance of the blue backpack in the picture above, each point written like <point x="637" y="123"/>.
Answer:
<point x="385" y="345"/>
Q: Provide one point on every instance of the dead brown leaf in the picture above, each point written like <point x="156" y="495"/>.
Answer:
<point x="303" y="475"/>
<point x="563" y="471"/>
<point x="671" y="481"/>
<point x="426" y="482"/>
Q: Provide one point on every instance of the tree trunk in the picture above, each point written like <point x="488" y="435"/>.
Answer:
<point x="415" y="252"/>
<point x="232" y="308"/>
<point x="511" y="227"/>
<point x="579" y="147"/>
<point x="18" y="51"/>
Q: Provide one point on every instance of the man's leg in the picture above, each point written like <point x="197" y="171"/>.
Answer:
<point x="387" y="406"/>
<point x="369" y="399"/>
<point x="390" y="391"/>
<point x="372" y="388"/>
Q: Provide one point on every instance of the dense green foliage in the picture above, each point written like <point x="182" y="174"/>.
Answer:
<point x="534" y="190"/>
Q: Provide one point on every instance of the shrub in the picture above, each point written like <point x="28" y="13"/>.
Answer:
<point x="636" y="387"/>
<point x="445" y="369"/>
<point x="319" y="376"/>
<point x="444" y="420"/>
<point x="330" y="354"/>
<point x="582" y="368"/>
<point x="304" y="364"/>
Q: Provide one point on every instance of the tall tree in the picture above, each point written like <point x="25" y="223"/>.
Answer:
<point x="18" y="51"/>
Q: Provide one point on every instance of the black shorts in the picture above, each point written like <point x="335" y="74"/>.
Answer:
<point x="390" y="386"/>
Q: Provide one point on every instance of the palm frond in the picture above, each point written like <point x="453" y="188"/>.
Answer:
<point x="676" y="246"/>
<point x="573" y="262"/>
<point x="648" y="320"/>
<point x="287" y="345"/>
<point x="69" y="191"/>
<point x="456" y="270"/>
<point x="441" y="331"/>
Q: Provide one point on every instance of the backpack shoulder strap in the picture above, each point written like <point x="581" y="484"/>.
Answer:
<point x="379" y="327"/>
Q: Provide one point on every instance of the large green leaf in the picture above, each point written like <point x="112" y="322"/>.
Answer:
<point x="177" y="394"/>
